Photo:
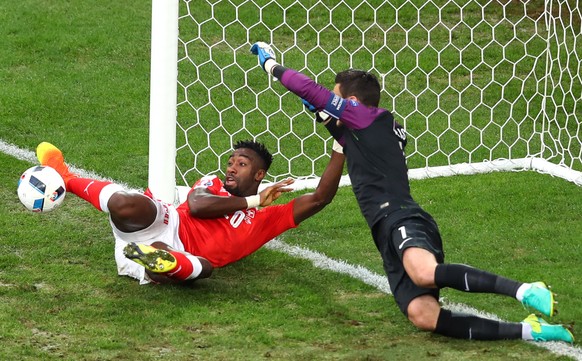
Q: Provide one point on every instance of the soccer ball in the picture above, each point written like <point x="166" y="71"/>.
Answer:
<point x="41" y="189"/>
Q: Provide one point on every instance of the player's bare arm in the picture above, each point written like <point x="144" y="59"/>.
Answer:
<point x="308" y="204"/>
<point x="204" y="204"/>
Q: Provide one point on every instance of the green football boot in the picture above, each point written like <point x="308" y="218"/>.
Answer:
<point x="543" y="331"/>
<point x="540" y="298"/>
<point x="153" y="259"/>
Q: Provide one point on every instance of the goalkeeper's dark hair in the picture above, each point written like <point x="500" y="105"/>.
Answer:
<point x="259" y="148"/>
<point x="361" y="84"/>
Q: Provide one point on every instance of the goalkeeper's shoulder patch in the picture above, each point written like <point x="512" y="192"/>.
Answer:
<point x="335" y="106"/>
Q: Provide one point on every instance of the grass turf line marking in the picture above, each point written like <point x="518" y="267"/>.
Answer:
<point x="319" y="260"/>
<point x="380" y="282"/>
<point x="29" y="156"/>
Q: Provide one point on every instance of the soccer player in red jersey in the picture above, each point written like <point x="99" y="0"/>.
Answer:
<point x="221" y="221"/>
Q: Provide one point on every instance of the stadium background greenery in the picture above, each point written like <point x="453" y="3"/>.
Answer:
<point x="77" y="74"/>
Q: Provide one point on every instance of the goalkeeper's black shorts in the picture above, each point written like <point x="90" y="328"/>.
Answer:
<point x="392" y="237"/>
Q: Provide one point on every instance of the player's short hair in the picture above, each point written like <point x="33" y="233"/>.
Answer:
<point x="259" y="148"/>
<point x="361" y="84"/>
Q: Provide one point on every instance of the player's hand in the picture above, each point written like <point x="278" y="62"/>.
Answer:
<point x="272" y="192"/>
<point x="264" y="52"/>
<point x="320" y="116"/>
<point x="309" y="106"/>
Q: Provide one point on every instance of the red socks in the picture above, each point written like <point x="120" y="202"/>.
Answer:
<point x="88" y="189"/>
<point x="184" y="268"/>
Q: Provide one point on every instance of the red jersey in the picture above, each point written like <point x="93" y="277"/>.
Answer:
<point x="229" y="238"/>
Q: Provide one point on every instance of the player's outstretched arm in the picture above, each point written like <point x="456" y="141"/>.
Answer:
<point x="309" y="204"/>
<point x="203" y="204"/>
<point x="267" y="60"/>
<point x="274" y="191"/>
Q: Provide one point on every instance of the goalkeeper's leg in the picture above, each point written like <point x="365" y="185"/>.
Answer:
<point x="468" y="279"/>
<point x="420" y="249"/>
<point x="425" y="313"/>
<point x="458" y="325"/>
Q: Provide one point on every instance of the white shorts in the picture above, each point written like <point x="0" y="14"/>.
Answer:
<point x="164" y="229"/>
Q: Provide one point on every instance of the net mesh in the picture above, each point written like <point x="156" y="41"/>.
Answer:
<point x="471" y="81"/>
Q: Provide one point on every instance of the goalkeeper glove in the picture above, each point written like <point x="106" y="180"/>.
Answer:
<point x="265" y="53"/>
<point x="320" y="117"/>
<point x="309" y="106"/>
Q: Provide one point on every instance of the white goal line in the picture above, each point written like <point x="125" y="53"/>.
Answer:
<point x="501" y="165"/>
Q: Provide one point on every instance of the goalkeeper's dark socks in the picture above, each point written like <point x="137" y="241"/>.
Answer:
<point x="93" y="191"/>
<point x="187" y="267"/>
<point x="458" y="325"/>
<point x="468" y="279"/>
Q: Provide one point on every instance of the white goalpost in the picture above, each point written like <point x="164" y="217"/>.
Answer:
<point x="163" y="95"/>
<point x="479" y="85"/>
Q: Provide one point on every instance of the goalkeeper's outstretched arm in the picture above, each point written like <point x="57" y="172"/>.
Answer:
<point x="353" y="115"/>
<point x="268" y="61"/>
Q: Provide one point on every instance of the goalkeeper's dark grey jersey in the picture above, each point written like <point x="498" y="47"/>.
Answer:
<point x="374" y="148"/>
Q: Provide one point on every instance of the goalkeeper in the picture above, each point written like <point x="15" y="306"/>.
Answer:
<point x="406" y="236"/>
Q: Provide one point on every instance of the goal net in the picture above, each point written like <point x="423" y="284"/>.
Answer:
<point x="478" y="85"/>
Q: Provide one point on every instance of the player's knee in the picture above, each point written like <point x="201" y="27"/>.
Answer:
<point x="121" y="205"/>
<point x="423" y="278"/>
<point x="421" y="275"/>
<point x="423" y="317"/>
<point x="131" y="212"/>
<point x="420" y="265"/>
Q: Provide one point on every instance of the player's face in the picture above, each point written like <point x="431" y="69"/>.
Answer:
<point x="243" y="173"/>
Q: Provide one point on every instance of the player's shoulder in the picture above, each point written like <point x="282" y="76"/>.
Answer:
<point x="210" y="184"/>
<point x="207" y="181"/>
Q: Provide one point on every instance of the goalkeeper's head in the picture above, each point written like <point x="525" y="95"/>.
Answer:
<point x="360" y="84"/>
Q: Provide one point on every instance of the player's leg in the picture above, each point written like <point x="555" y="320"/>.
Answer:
<point x="420" y="243"/>
<point x="164" y="264"/>
<point x="129" y="211"/>
<point x="468" y="279"/>
<point x="88" y="189"/>
<point x="422" y="308"/>
<point x="411" y="275"/>
<point x="465" y="326"/>
<point x="426" y="314"/>
<point x="154" y="253"/>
